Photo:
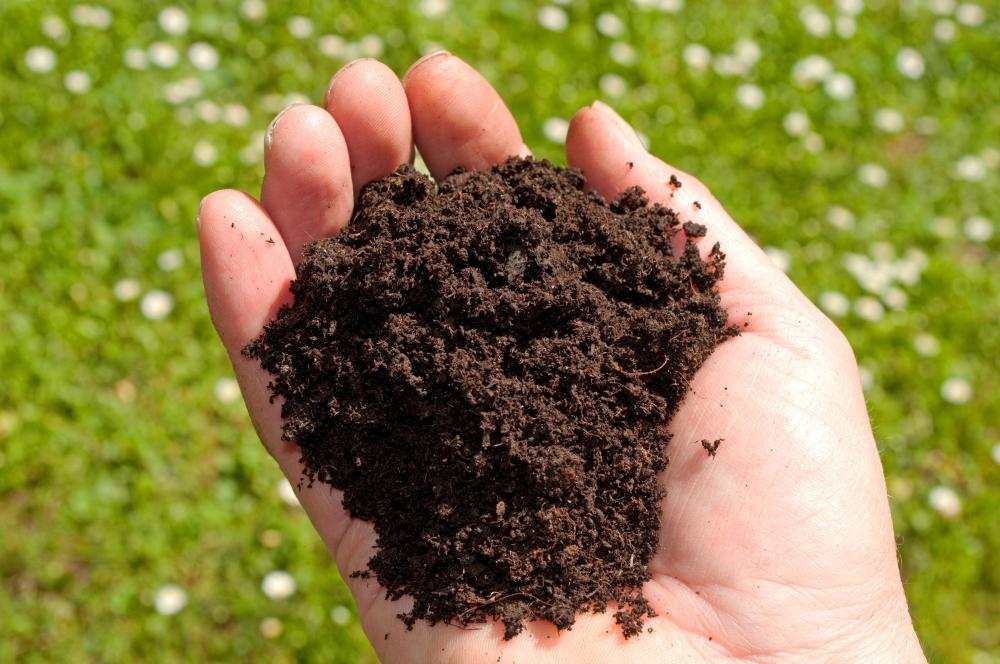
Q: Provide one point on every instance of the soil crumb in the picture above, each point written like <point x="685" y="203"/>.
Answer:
<point x="711" y="446"/>
<point x="487" y="370"/>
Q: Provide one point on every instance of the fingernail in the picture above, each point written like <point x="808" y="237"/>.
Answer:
<point x="269" y="135"/>
<point x="333" y="81"/>
<point x="624" y="127"/>
<point x="430" y="56"/>
<point x="197" y="217"/>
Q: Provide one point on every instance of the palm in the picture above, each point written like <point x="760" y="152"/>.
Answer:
<point x="780" y="546"/>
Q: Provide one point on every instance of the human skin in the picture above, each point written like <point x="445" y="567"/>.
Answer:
<point x="780" y="548"/>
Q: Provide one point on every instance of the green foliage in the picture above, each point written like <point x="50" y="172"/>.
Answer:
<point x="121" y="469"/>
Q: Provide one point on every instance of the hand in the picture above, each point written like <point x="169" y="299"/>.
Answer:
<point x="778" y="549"/>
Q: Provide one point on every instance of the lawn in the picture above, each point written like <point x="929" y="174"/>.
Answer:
<point x="858" y="141"/>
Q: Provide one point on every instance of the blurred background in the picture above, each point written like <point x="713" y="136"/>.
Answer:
<point x="858" y="140"/>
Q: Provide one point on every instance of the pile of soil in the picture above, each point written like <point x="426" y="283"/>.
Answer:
<point x="487" y="371"/>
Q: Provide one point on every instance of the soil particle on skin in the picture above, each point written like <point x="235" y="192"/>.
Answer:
<point x="711" y="446"/>
<point x="487" y="372"/>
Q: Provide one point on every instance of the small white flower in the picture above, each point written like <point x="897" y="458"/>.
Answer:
<point x="371" y="46"/>
<point x="815" y="21"/>
<point x="235" y="115"/>
<point x="332" y="46"/>
<point x="867" y="378"/>
<point x="610" y="25"/>
<point x="910" y="63"/>
<point x="203" y="56"/>
<point x="779" y="257"/>
<point x="553" y="18"/>
<point x="278" y="585"/>
<point x="889" y="120"/>
<point x="669" y="6"/>
<point x="840" y="217"/>
<point x="945" y="501"/>
<point x="300" y="27"/>
<point x="945" y="30"/>
<point x="163" y="55"/>
<point x="796" y="123"/>
<point x="750" y="96"/>
<point x="728" y="65"/>
<point x="555" y="130"/>
<point x="227" y="390"/>
<point x="834" y="303"/>
<point x="845" y="26"/>
<point x="135" y="58"/>
<point x="54" y="27"/>
<point x="926" y="344"/>
<point x="340" y="614"/>
<point x="895" y="298"/>
<point x="91" y="16"/>
<point x="170" y="599"/>
<point x="271" y="628"/>
<point x="170" y="260"/>
<point x="434" y="8"/>
<point x="204" y="153"/>
<point x="970" y="14"/>
<point x="40" y="59"/>
<point x="850" y="7"/>
<point x="813" y="142"/>
<point x="183" y="90"/>
<point x="253" y="9"/>
<point x="978" y="229"/>
<point x="613" y="85"/>
<point x="811" y="69"/>
<point x="287" y="493"/>
<point x="127" y="290"/>
<point x="622" y="53"/>
<point x="956" y="390"/>
<point x="156" y="304"/>
<point x="697" y="56"/>
<point x="873" y="175"/>
<point x="77" y="82"/>
<point x="941" y="7"/>
<point x="996" y="453"/>
<point x="869" y="309"/>
<point x="207" y="111"/>
<point x="971" y="168"/>
<point x="174" y="21"/>
<point x="839" y="86"/>
<point x="747" y="51"/>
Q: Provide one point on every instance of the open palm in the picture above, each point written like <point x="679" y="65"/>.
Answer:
<point x="778" y="549"/>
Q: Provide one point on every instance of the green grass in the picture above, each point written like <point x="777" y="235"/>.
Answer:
<point x="120" y="469"/>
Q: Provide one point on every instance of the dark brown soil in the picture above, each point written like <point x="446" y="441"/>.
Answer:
<point x="487" y="372"/>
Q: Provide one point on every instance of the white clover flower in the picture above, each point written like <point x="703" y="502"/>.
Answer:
<point x="811" y="69"/>
<point x="371" y="46"/>
<point x="622" y="53"/>
<point x="956" y="390"/>
<point x="126" y="290"/>
<point x="253" y="9"/>
<point x="54" y="28"/>
<point x="941" y="7"/>
<point x="235" y="115"/>
<point x="926" y="344"/>
<point x="271" y="628"/>
<point x="227" y="390"/>
<point x="834" y="303"/>
<point x="174" y="20"/>
<point x="845" y="26"/>
<point x="869" y="309"/>
<point x="612" y="85"/>
<point x="815" y="21"/>
<point x="434" y="8"/>
<point x="840" y="217"/>
<point x="278" y="585"/>
<point x="750" y="96"/>
<point x="204" y="153"/>
<point x="697" y="56"/>
<point x="971" y="168"/>
<point x="332" y="46"/>
<point x="888" y="120"/>
<point x="747" y="51"/>
<point x="163" y="55"/>
<point x="996" y="453"/>
<point x="796" y="123"/>
<point x="170" y="599"/>
<point x="555" y="129"/>
<point x="300" y="27"/>
<point x="978" y="229"/>
<point x="839" y="86"/>
<point x="77" y="82"/>
<point x="40" y="59"/>
<point x="873" y="175"/>
<point x="203" y="56"/>
<point x="156" y="304"/>
<point x="945" y="501"/>
<point x="135" y="58"/>
<point x="610" y="25"/>
<point x="945" y="30"/>
<point x="340" y="614"/>
<point x="910" y="63"/>
<point x="970" y="14"/>
<point x="850" y="7"/>
<point x="553" y="18"/>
